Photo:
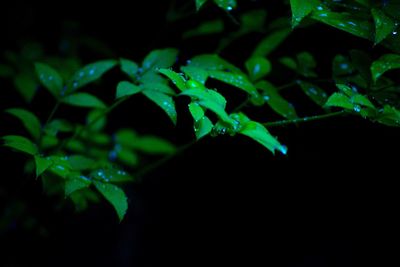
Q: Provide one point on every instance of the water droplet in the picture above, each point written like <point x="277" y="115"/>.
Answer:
<point x="266" y="98"/>
<point x="75" y="84"/>
<point x="121" y="172"/>
<point x="283" y="149"/>
<point x="188" y="62"/>
<point x="320" y="8"/>
<point x="313" y="91"/>
<point x="357" y="108"/>
<point x="91" y="72"/>
<point x="229" y="8"/>
<point x="112" y="156"/>
<point x="351" y="23"/>
<point x="344" y="66"/>
<point x="394" y="32"/>
<point x="81" y="74"/>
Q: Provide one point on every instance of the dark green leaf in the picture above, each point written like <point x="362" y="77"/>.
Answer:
<point x="306" y="64"/>
<point x="58" y="125"/>
<point x="125" y="137"/>
<point x="127" y="157"/>
<point x="81" y="163"/>
<point x="301" y="9"/>
<point x="163" y="101"/>
<point x="199" y="4"/>
<point x="362" y="62"/>
<point x="6" y="71"/>
<point x="26" y="85"/>
<point x="205" y="28"/>
<point x="28" y="119"/>
<point x="84" y="100"/>
<point x="153" y="145"/>
<point x="389" y="116"/>
<point x="20" y="143"/>
<point x="115" y="196"/>
<point x="111" y="175"/>
<point x="129" y="67"/>
<point x="176" y="78"/>
<point x="314" y="92"/>
<point x="258" y="67"/>
<point x="49" y="78"/>
<point x="90" y="73"/>
<point x="275" y="101"/>
<point x="96" y="120"/>
<point x="126" y="88"/>
<point x="42" y="164"/>
<point x="270" y="43"/>
<point x="237" y="80"/>
<point x="163" y="58"/>
<point x="384" y="25"/>
<point x="383" y="64"/>
<point x="48" y="141"/>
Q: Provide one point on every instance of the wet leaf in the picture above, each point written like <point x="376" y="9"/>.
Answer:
<point x="270" y="43"/>
<point x="163" y="101"/>
<point x="90" y="73"/>
<point x="197" y="111"/>
<point x="203" y="127"/>
<point x="339" y="100"/>
<point x="275" y="101"/>
<point x="227" y="5"/>
<point x="195" y="73"/>
<point x="314" y="92"/>
<point x="129" y="67"/>
<point x="163" y="58"/>
<point x="237" y="80"/>
<point x="49" y="78"/>
<point x="28" y="119"/>
<point x="258" y="67"/>
<point x="81" y="163"/>
<point x="384" y="25"/>
<point x="42" y="164"/>
<point x="383" y="64"/>
<point x="115" y="196"/>
<point x="301" y="9"/>
<point x="199" y="4"/>
<point x="176" y="78"/>
<point x="75" y="183"/>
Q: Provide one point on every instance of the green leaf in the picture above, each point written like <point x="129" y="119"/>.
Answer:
<point x="84" y="100"/>
<point x="362" y="62"/>
<point x="197" y="111"/>
<point x="199" y="4"/>
<point x="197" y="74"/>
<point x="127" y="157"/>
<point x="125" y="88"/>
<point x="57" y="125"/>
<point x="20" y="143"/>
<point x="96" y="120"/>
<point x="90" y="73"/>
<point x="159" y="87"/>
<point x="42" y="164"/>
<point x="362" y="100"/>
<point x="26" y="85"/>
<point x="258" y="67"/>
<point x="163" y="58"/>
<point x="115" y="196"/>
<point x="301" y="9"/>
<point x="176" y="78"/>
<point x="203" y="127"/>
<point x="275" y="101"/>
<point x="49" y="78"/>
<point x="48" y="141"/>
<point x="206" y="28"/>
<point x="346" y="22"/>
<point x="75" y="183"/>
<point x="212" y="62"/>
<point x="125" y="137"/>
<point x="211" y="100"/>
<point x="339" y="100"/>
<point x="28" y="119"/>
<point x="111" y="175"/>
<point x="81" y="163"/>
<point x="384" y="25"/>
<point x="314" y="92"/>
<point x="153" y="145"/>
<point x="129" y="67"/>
<point x="260" y="134"/>
<point x="237" y="80"/>
<point x="164" y="101"/>
<point x="227" y="5"/>
<point x="389" y="116"/>
<point x="383" y="64"/>
<point x="270" y="43"/>
<point x="306" y="64"/>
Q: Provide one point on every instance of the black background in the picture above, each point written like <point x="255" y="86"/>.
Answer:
<point x="331" y="202"/>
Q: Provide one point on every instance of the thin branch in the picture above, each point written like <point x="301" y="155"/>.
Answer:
<point x="305" y="119"/>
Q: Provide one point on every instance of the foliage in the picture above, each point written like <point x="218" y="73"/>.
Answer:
<point x="83" y="161"/>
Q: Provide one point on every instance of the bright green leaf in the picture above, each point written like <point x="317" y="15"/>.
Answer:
<point x="159" y="87"/>
<point x="125" y="88"/>
<point x="259" y="133"/>
<point x="163" y="58"/>
<point x="75" y="183"/>
<point x="197" y="74"/>
<point x="339" y="100"/>
<point x="81" y="163"/>
<point x="258" y="67"/>
<point x="84" y="100"/>
<point x="29" y="120"/>
<point x="203" y="127"/>
<point x="275" y="101"/>
<point x="115" y="196"/>
<point x="196" y="110"/>
<point x="301" y="9"/>
<point x="227" y="5"/>
<point x="176" y="78"/>
<point x="164" y="101"/>
<point x="384" y="25"/>
<point x="236" y="80"/>
<point x="20" y="143"/>
<point x="90" y="73"/>
<point x="49" y="78"/>
<point x="383" y="64"/>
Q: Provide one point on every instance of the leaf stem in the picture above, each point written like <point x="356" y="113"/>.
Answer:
<point x="49" y="118"/>
<point x="305" y="119"/>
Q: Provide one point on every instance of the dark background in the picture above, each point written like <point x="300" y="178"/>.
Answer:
<point x="331" y="202"/>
